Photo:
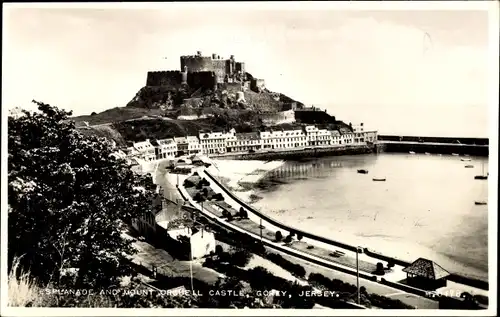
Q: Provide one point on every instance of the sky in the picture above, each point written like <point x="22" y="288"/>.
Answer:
<point x="400" y="72"/>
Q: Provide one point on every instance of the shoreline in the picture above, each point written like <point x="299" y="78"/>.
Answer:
<point x="248" y="190"/>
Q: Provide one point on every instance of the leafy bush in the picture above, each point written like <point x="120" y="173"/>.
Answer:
<point x="299" y="237"/>
<point x="278" y="236"/>
<point x="218" y="197"/>
<point x="349" y="290"/>
<point x="243" y="213"/>
<point x="219" y="249"/>
<point x="188" y="183"/>
<point x="69" y="201"/>
<point x="241" y="257"/>
<point x="380" y="269"/>
<point x="296" y="269"/>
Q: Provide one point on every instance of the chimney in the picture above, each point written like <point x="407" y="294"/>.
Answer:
<point x="214" y="56"/>
<point x="232" y="57"/>
<point x="198" y="53"/>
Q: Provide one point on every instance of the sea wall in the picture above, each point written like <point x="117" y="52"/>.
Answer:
<point x="453" y="277"/>
<point x="303" y="153"/>
<point x="472" y="141"/>
<point x="404" y="147"/>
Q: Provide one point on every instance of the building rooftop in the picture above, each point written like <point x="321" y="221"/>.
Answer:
<point x="165" y="141"/>
<point x="248" y="136"/>
<point x="143" y="145"/>
<point x="426" y="268"/>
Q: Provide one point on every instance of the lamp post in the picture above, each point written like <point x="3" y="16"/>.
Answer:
<point x="260" y="226"/>
<point x="358" y="250"/>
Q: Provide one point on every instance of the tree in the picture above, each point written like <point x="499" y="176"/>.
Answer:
<point x="299" y="237"/>
<point x="278" y="236"/>
<point x="218" y="249"/>
<point x="288" y="239"/>
<point x="69" y="201"/>
<point x="380" y="269"/>
<point x="243" y="213"/>
<point x="93" y="113"/>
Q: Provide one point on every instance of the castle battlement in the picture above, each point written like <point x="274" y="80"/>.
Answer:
<point x="198" y="69"/>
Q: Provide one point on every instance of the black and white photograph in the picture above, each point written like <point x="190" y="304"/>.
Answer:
<point x="284" y="158"/>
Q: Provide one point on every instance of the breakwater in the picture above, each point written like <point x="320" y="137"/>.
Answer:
<point x="434" y="148"/>
<point x="426" y="139"/>
<point x="298" y="154"/>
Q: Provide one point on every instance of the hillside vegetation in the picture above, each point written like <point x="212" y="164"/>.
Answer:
<point x="153" y="112"/>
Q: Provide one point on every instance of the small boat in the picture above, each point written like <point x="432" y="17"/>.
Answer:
<point x="411" y="152"/>
<point x="480" y="202"/>
<point x="469" y="166"/>
<point x="362" y="171"/>
<point x="427" y="153"/>
<point x="440" y="154"/>
<point x="466" y="155"/>
<point x="379" y="179"/>
<point x="465" y="159"/>
<point x="454" y="154"/>
<point x="482" y="176"/>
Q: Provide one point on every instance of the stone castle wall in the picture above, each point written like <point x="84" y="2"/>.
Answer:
<point x="202" y="71"/>
<point x="164" y="78"/>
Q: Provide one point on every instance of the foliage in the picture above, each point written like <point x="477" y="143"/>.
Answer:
<point x="278" y="236"/>
<point x="380" y="269"/>
<point x="348" y="290"/>
<point x="241" y="257"/>
<point x="69" y="201"/>
<point x="243" y="213"/>
<point x="296" y="269"/>
<point x="218" y="197"/>
<point x="299" y="237"/>
<point x="218" y="249"/>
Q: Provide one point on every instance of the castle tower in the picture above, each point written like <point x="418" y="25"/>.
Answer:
<point x="184" y="75"/>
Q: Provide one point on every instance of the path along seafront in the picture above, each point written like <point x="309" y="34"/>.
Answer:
<point x="240" y="175"/>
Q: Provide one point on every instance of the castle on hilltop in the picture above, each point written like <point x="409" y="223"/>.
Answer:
<point x="207" y="72"/>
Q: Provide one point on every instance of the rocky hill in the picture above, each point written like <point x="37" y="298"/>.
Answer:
<point x="166" y="111"/>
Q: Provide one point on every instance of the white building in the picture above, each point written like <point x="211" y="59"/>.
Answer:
<point x="358" y="133"/>
<point x="215" y="142"/>
<point x="16" y="112"/>
<point x="167" y="148"/>
<point x="371" y="136"/>
<point x="283" y="139"/>
<point x="335" y="137"/>
<point x="119" y="154"/>
<point x="317" y="136"/>
<point x="188" y="145"/>
<point x="242" y="142"/>
<point x="201" y="242"/>
<point x="146" y="150"/>
<point x="347" y="138"/>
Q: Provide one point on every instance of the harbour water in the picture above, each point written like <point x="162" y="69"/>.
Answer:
<point x="425" y="208"/>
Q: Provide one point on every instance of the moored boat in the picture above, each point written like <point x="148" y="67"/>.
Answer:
<point x="427" y="153"/>
<point x="482" y="176"/>
<point x="465" y="159"/>
<point x="379" y="179"/>
<point x="480" y="202"/>
<point x="454" y="154"/>
<point x="362" y="171"/>
<point x="411" y="152"/>
<point x="469" y="166"/>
